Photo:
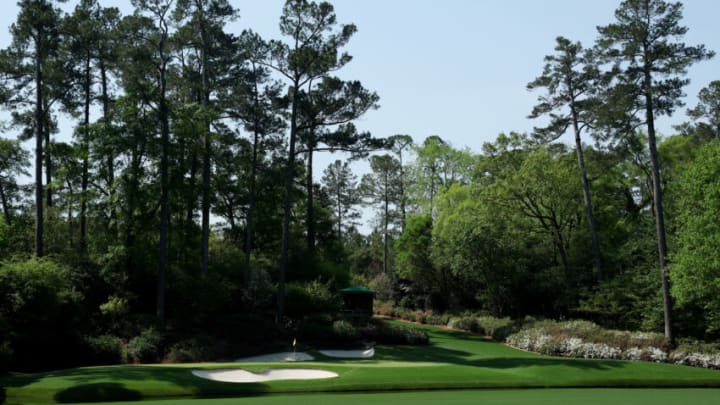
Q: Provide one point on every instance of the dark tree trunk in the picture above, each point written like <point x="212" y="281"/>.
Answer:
<point x="251" y="207"/>
<point x="85" y="163"/>
<point x="402" y="194"/>
<point x="190" y="197"/>
<point x="5" y="208"/>
<point x="562" y="250"/>
<point x="310" y="214"/>
<point x="659" y="213"/>
<point x="432" y="191"/>
<point x="206" y="203"/>
<point x="586" y="196"/>
<point x="164" y="208"/>
<point x="39" y="138"/>
<point x="207" y="152"/>
<point x="385" y="231"/>
<point x="339" y="215"/>
<point x="287" y="207"/>
<point x="110" y="157"/>
<point x="45" y="121"/>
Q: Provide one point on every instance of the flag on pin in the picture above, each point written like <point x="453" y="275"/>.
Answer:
<point x="294" y="342"/>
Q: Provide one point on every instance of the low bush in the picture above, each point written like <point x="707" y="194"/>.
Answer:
<point x="197" y="349"/>
<point x="437" y="319"/>
<point x="468" y="323"/>
<point x="145" y="348"/>
<point x="698" y="354"/>
<point x="498" y="328"/>
<point x="5" y="356"/>
<point x="315" y="331"/>
<point x="344" y="332"/>
<point x="310" y="299"/>
<point x="38" y="296"/>
<point x="385" y="333"/>
<point x="104" y="350"/>
<point x="588" y="340"/>
<point x="382" y="308"/>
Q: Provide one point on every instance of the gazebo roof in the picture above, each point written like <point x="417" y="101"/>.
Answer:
<point x="357" y="290"/>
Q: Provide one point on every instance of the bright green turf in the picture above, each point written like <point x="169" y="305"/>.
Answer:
<point x="453" y="361"/>
<point x="589" y="396"/>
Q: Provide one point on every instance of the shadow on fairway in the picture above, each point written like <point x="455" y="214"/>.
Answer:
<point x="182" y="377"/>
<point x="99" y="392"/>
<point x="10" y="381"/>
<point x="459" y="348"/>
<point x="100" y="384"/>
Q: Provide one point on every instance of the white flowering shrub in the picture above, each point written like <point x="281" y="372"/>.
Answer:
<point x="657" y="355"/>
<point x="633" y="353"/>
<point x="583" y="339"/>
<point x="696" y="359"/>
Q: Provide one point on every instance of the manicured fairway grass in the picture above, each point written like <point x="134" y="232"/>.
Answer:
<point x="591" y="396"/>
<point x="453" y="360"/>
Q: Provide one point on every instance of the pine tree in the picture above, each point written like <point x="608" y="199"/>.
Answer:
<point x="569" y="77"/>
<point x="642" y="42"/>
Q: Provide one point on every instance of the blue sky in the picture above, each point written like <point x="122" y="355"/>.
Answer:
<point x="458" y="68"/>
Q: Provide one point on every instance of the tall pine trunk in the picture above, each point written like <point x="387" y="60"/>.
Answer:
<point x="3" y="201"/>
<point x="310" y="214"/>
<point x="207" y="144"/>
<point x="164" y="209"/>
<point x="110" y="158"/>
<point x="385" y="229"/>
<point x="402" y="194"/>
<point x="586" y="196"/>
<point x="657" y="203"/>
<point x="287" y="207"/>
<point x="249" y="221"/>
<point x="45" y="121"/>
<point x="339" y="215"/>
<point x="85" y="163"/>
<point x="39" y="139"/>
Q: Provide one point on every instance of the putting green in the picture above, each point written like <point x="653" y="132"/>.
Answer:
<point x="453" y="360"/>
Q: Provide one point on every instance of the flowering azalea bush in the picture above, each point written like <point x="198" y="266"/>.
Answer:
<point x="576" y="338"/>
<point x="587" y="340"/>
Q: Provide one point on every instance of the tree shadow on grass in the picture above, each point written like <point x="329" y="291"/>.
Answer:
<point x="100" y="384"/>
<point x="99" y="392"/>
<point x="19" y="380"/>
<point x="177" y="376"/>
<point x="434" y="353"/>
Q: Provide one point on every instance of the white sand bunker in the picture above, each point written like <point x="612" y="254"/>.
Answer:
<point x="277" y="357"/>
<point x="244" y="376"/>
<point x="349" y="354"/>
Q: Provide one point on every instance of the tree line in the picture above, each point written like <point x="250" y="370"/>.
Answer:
<point x="178" y="120"/>
<point x="515" y="228"/>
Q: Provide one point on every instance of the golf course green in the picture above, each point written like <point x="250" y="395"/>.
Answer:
<point x="454" y="365"/>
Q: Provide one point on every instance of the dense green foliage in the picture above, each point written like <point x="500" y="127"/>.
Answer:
<point x="696" y="268"/>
